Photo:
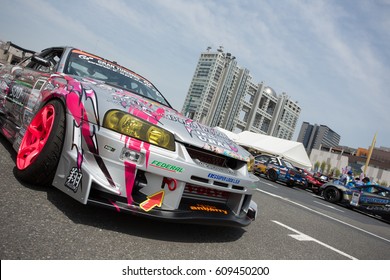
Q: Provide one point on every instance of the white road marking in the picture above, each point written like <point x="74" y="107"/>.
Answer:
<point x="329" y="206"/>
<point x="322" y="214"/>
<point x="304" y="237"/>
<point x="269" y="184"/>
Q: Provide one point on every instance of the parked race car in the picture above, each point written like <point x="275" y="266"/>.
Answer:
<point x="373" y="199"/>
<point x="105" y="135"/>
<point x="277" y="169"/>
<point x="313" y="182"/>
<point x="260" y="166"/>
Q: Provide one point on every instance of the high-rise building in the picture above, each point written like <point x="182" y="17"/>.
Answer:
<point x="315" y="136"/>
<point x="223" y="94"/>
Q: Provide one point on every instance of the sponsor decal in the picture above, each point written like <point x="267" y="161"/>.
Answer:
<point x="4" y="86"/>
<point x="76" y="95"/>
<point x="214" y="167"/>
<point x="153" y="201"/>
<point x="213" y="139"/>
<point x="355" y="199"/>
<point x="373" y="200"/>
<point x="205" y="191"/>
<point x="18" y="94"/>
<point x="97" y="61"/>
<point x="208" y="208"/>
<point x="167" y="167"/>
<point x="109" y="148"/>
<point x="74" y="179"/>
<point x="223" y="178"/>
<point x="27" y="116"/>
<point x="379" y="208"/>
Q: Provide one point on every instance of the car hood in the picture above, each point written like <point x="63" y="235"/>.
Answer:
<point x="185" y="130"/>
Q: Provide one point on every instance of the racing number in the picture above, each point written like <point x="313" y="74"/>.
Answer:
<point x="16" y="92"/>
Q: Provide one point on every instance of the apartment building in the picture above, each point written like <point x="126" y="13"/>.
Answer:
<point x="315" y="136"/>
<point x="11" y="53"/>
<point x="223" y="94"/>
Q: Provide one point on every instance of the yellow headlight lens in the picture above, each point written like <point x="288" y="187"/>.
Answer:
<point x="137" y="128"/>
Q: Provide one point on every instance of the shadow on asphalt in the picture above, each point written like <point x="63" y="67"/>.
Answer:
<point x="142" y="227"/>
<point x="7" y="145"/>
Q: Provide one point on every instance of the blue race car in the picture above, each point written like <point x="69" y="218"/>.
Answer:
<point x="372" y="199"/>
<point x="278" y="169"/>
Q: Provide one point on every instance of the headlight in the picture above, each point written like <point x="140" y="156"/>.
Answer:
<point x="132" y="126"/>
<point x="251" y="163"/>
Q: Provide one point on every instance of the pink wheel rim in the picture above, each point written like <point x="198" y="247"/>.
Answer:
<point x="35" y="137"/>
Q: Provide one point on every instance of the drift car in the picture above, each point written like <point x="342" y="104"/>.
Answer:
<point x="277" y="169"/>
<point x="105" y="135"/>
<point x="260" y="167"/>
<point x="313" y="182"/>
<point x="373" y="199"/>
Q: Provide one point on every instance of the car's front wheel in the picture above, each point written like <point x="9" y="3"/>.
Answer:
<point x="272" y="175"/>
<point x="40" y="149"/>
<point x="331" y="194"/>
<point x="290" y="183"/>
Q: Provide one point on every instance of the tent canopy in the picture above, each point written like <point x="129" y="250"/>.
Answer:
<point x="290" y="150"/>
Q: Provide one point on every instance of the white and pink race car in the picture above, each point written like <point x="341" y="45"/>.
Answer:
<point x="105" y="135"/>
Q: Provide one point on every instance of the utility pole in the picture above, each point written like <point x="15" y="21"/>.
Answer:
<point x="369" y="154"/>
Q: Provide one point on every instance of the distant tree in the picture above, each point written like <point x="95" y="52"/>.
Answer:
<point x="328" y="168"/>
<point x="357" y="172"/>
<point x="384" y="183"/>
<point x="323" y="164"/>
<point x="316" y="165"/>
<point x="337" y="173"/>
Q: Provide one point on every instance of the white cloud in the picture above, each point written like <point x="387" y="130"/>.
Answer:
<point x="333" y="57"/>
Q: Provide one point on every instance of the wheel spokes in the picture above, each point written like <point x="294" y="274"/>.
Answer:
<point x="27" y="155"/>
<point x="47" y="119"/>
<point x="34" y="131"/>
<point x="36" y="136"/>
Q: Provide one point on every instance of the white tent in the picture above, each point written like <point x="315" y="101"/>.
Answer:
<point x="292" y="151"/>
<point x="233" y="136"/>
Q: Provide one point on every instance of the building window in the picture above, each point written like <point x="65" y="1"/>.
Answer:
<point x="249" y="98"/>
<point x="243" y="116"/>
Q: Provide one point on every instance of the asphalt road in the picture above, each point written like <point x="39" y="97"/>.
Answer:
<point x="43" y="223"/>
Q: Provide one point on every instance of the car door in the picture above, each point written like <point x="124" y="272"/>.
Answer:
<point x="375" y="199"/>
<point x="261" y="163"/>
<point x="24" y="83"/>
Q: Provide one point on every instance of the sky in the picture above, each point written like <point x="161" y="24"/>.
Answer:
<point x="331" y="56"/>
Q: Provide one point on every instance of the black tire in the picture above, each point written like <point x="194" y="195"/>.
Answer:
<point x="272" y="175"/>
<point x="331" y="194"/>
<point x="41" y="170"/>
<point x="290" y="183"/>
<point x="311" y="187"/>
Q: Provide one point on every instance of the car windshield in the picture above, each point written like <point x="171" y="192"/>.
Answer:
<point x="287" y="164"/>
<point x="261" y="158"/>
<point x="83" y="64"/>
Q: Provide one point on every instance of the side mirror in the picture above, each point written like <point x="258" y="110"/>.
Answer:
<point x="16" y="71"/>
<point x="40" y="60"/>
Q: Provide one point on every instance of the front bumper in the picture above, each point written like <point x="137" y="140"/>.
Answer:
<point x="134" y="175"/>
<point x="206" y="214"/>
